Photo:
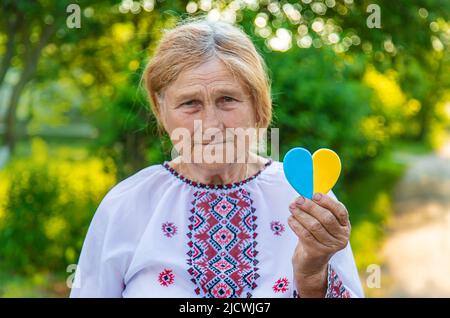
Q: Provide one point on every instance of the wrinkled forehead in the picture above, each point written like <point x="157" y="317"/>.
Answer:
<point x="211" y="69"/>
<point x="212" y="75"/>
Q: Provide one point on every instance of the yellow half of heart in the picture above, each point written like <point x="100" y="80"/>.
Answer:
<point x="326" y="170"/>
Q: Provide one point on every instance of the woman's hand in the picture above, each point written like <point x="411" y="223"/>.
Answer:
<point x="323" y="228"/>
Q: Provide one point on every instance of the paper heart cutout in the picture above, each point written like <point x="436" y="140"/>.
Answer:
<point x="311" y="174"/>
<point x="298" y="169"/>
<point x="326" y="168"/>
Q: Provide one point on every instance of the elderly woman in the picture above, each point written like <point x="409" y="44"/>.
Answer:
<point x="218" y="228"/>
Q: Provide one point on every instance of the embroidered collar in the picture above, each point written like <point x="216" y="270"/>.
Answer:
<point x="214" y="186"/>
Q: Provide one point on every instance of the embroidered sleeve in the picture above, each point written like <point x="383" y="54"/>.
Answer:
<point x="335" y="287"/>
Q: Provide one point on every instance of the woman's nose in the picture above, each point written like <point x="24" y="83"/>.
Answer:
<point x="211" y="117"/>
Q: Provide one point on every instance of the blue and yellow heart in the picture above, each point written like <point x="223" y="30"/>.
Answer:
<point x="309" y="174"/>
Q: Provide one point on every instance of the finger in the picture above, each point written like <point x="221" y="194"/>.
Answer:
<point x="334" y="206"/>
<point x="325" y="217"/>
<point x="303" y="234"/>
<point x="313" y="226"/>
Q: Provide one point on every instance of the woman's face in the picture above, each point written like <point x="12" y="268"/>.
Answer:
<point x="210" y="95"/>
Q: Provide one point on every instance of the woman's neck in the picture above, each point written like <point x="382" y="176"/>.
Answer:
<point x="220" y="173"/>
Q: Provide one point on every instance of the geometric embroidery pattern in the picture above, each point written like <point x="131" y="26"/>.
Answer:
<point x="281" y="285"/>
<point x="277" y="227"/>
<point x="222" y="246"/>
<point x="335" y="288"/>
<point x="166" y="277"/>
<point x="169" y="229"/>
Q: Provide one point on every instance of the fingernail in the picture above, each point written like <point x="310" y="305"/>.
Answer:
<point x="300" y="200"/>
<point x="317" y="196"/>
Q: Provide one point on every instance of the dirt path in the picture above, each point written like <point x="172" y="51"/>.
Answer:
<point x="417" y="249"/>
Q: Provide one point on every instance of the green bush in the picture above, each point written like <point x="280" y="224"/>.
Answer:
<point x="46" y="205"/>
<point x="320" y="101"/>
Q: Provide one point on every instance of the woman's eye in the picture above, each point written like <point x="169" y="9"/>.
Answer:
<point x="228" y="99"/>
<point x="190" y="103"/>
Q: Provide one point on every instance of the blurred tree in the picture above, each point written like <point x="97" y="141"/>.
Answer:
<point x="28" y="27"/>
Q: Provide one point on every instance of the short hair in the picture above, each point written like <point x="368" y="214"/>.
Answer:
<point x="194" y="41"/>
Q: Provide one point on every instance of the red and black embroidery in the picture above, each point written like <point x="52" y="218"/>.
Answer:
<point x="277" y="227"/>
<point x="169" y="229"/>
<point x="214" y="186"/>
<point x="222" y="253"/>
<point x="166" y="277"/>
<point x="281" y="285"/>
<point x="336" y="288"/>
